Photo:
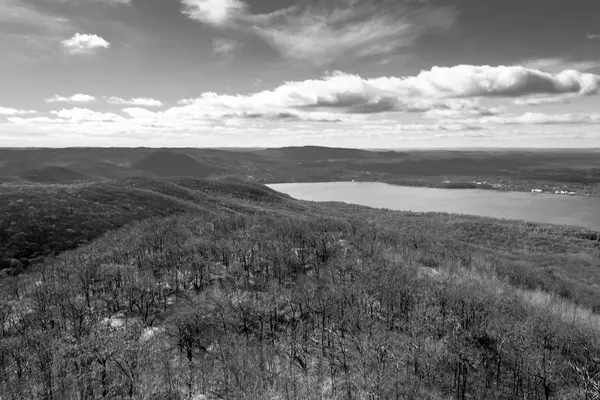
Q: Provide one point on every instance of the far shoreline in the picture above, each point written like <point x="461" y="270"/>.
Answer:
<point x="449" y="186"/>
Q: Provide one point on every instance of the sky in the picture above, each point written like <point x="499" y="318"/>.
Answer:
<point x="270" y="73"/>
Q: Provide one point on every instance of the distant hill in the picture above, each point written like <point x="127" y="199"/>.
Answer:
<point x="52" y="174"/>
<point x="166" y="163"/>
<point x="318" y="153"/>
<point x="577" y="170"/>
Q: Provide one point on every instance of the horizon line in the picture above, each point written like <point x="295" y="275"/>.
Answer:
<point x="472" y="148"/>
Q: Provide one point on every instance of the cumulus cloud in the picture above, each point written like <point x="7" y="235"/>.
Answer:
<point x="325" y="30"/>
<point x="76" y="98"/>
<point x="15" y="111"/>
<point x="136" y="101"/>
<point x="458" y="98"/>
<point x="78" y="115"/>
<point x="84" y="43"/>
<point x="451" y="94"/>
<point x="441" y="88"/>
<point x="508" y="81"/>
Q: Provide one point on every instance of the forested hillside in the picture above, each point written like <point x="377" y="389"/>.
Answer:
<point x="238" y="292"/>
<point x="44" y="220"/>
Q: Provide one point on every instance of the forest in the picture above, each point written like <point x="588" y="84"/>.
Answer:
<point x="234" y="291"/>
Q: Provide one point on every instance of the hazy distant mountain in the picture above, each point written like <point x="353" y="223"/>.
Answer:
<point x="166" y="163"/>
<point x="318" y="153"/>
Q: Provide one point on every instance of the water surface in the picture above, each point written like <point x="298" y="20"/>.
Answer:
<point x="583" y="211"/>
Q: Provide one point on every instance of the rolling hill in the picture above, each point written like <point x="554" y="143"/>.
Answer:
<point x="166" y="163"/>
<point x="44" y="220"/>
<point x="53" y="175"/>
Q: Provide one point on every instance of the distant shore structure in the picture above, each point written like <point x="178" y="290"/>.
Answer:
<point x="570" y="193"/>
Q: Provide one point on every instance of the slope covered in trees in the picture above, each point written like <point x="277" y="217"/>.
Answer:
<point x="43" y="220"/>
<point x="238" y="292"/>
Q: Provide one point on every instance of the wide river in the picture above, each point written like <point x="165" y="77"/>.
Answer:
<point x="583" y="211"/>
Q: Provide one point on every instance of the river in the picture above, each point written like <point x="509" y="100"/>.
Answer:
<point x="582" y="211"/>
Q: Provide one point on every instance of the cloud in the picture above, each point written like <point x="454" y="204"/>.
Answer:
<point x="18" y="14"/>
<point x="15" y="111"/>
<point x="136" y="101"/>
<point x="31" y="121"/>
<point x="108" y="2"/>
<point x="507" y="81"/>
<point x="78" y="115"/>
<point x="441" y="88"/>
<point x="538" y="101"/>
<point x="424" y="91"/>
<point x="214" y="12"/>
<point x="74" y="3"/>
<point x="547" y="119"/>
<point x="451" y="93"/>
<point x="593" y="36"/>
<point x="212" y="112"/>
<point x="321" y="34"/>
<point x="474" y="110"/>
<point x="530" y="118"/>
<point x="28" y="32"/>
<point x="438" y="127"/>
<point x="224" y="46"/>
<point x="322" y="31"/>
<point x="84" y="43"/>
<point x="139" y="113"/>
<point x="76" y="98"/>
<point x="554" y="65"/>
<point x="458" y="98"/>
